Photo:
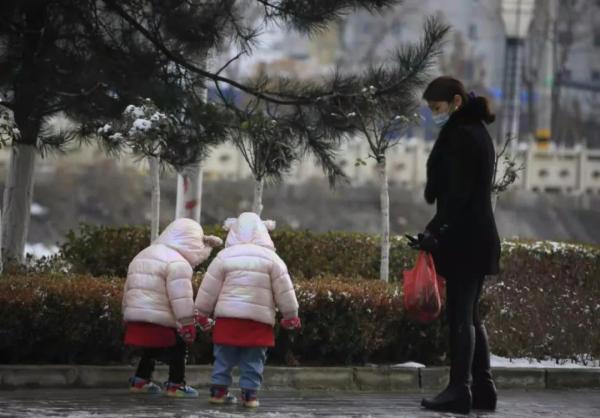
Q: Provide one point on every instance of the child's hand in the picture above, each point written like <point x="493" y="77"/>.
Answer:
<point x="291" y="323"/>
<point x="187" y="333"/>
<point x="205" y="323"/>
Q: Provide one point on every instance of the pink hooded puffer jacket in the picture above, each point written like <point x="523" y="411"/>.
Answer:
<point x="158" y="289"/>
<point x="247" y="279"/>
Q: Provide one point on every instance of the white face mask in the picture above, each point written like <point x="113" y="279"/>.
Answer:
<point x="440" y="119"/>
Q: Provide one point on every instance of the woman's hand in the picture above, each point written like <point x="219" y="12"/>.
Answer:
<point x="424" y="242"/>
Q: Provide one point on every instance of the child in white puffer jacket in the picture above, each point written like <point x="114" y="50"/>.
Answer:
<point x="243" y="286"/>
<point x="158" y="304"/>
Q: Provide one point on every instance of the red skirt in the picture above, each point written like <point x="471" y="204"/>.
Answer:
<point x="243" y="333"/>
<point x="147" y="335"/>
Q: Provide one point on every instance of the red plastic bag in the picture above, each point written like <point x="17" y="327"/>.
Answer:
<point x="423" y="290"/>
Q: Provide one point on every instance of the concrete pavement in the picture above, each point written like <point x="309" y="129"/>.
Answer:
<point x="104" y="403"/>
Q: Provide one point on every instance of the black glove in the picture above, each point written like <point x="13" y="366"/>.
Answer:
<point x="424" y="242"/>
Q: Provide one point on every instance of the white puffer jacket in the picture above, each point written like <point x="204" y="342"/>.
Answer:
<point x="159" y="286"/>
<point x="247" y="279"/>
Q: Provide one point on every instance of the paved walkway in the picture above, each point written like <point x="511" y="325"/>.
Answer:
<point x="275" y="404"/>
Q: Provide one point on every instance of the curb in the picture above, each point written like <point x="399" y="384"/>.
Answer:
<point x="382" y="378"/>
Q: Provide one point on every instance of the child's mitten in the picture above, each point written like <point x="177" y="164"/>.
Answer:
<point x="187" y="333"/>
<point x="291" y="323"/>
<point x="205" y="323"/>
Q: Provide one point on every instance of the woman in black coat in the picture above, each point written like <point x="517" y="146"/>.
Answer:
<point x="462" y="237"/>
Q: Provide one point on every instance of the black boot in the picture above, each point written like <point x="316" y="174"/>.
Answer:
<point x="457" y="395"/>
<point x="483" y="388"/>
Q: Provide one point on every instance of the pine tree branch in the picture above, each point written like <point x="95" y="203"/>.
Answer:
<point x="228" y="63"/>
<point x="8" y="105"/>
<point x="186" y="64"/>
<point x="313" y="15"/>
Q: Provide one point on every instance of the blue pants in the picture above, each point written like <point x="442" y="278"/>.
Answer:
<point x="250" y="360"/>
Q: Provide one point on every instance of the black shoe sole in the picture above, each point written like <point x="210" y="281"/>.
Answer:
<point x="445" y="408"/>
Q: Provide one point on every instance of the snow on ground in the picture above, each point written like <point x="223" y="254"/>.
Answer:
<point x="38" y="210"/>
<point x="39" y="250"/>
<point x="498" y="361"/>
<point x="411" y="364"/>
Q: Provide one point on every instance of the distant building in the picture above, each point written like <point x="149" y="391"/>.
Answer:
<point x="563" y="58"/>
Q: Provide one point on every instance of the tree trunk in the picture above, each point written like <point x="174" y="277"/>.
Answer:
<point x="188" y="203"/>
<point x="189" y="193"/>
<point x="555" y="112"/>
<point x="155" y="181"/>
<point x="384" y="269"/>
<point x="1" y="263"/>
<point x="18" y="195"/>
<point x="257" y="205"/>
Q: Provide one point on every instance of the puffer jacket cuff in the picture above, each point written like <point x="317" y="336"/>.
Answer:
<point x="186" y="321"/>
<point x="289" y="315"/>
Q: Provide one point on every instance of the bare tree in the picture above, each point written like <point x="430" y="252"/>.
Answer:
<point x="380" y="119"/>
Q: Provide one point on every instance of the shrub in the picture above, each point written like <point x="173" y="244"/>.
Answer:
<point x="68" y="319"/>
<point x="546" y="303"/>
<point x="77" y="319"/>
<point x="107" y="251"/>
<point x="543" y="304"/>
<point x="103" y="250"/>
<point x="354" y="322"/>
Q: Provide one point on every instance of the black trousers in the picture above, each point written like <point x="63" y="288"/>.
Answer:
<point x="174" y="356"/>
<point x="469" y="349"/>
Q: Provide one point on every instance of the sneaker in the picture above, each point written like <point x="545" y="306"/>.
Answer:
<point x="219" y="395"/>
<point x="181" y="390"/>
<point x="139" y="385"/>
<point x="250" y="398"/>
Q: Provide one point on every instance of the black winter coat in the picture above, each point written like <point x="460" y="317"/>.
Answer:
<point x="460" y="172"/>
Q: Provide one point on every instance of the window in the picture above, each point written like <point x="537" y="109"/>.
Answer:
<point x="596" y="175"/>
<point x="224" y="158"/>
<point x="472" y="31"/>
<point x="564" y="173"/>
<point x="543" y="173"/>
<point x="595" y="75"/>
<point x="400" y="167"/>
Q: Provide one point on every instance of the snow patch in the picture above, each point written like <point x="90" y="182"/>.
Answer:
<point x="141" y="124"/>
<point x="40" y="250"/>
<point x="38" y="210"/>
<point x="411" y="364"/>
<point x="498" y="361"/>
<point x="105" y="129"/>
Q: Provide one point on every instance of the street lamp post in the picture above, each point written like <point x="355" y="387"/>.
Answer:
<point x="516" y="15"/>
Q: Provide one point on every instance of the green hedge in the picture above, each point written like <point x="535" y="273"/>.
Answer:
<point x="107" y="251"/>
<point x="544" y="304"/>
<point x="77" y="319"/>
